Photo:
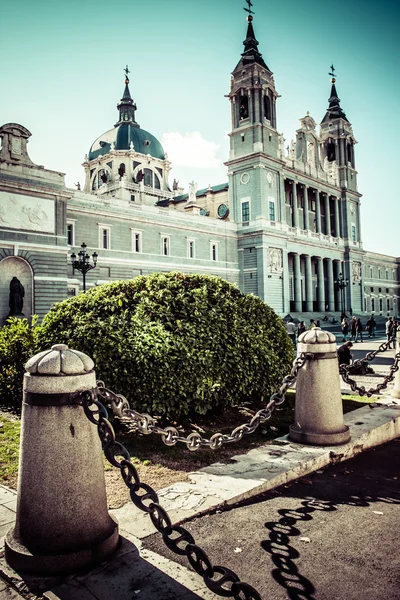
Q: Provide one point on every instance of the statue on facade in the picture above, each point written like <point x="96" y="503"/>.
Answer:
<point x="192" y="191"/>
<point x="175" y="185"/>
<point x="16" y="299"/>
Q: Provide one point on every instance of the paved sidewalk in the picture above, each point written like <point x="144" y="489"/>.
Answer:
<point x="136" y="572"/>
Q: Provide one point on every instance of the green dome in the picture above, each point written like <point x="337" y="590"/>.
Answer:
<point x="122" y="135"/>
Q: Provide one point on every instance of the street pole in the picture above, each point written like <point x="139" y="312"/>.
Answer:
<point x="82" y="263"/>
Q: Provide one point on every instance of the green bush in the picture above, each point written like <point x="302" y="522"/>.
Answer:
<point x="17" y="345"/>
<point x="174" y="343"/>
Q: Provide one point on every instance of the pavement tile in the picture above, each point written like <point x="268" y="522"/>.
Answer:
<point x="73" y="590"/>
<point x="6" y="495"/>
<point x="7" y="516"/>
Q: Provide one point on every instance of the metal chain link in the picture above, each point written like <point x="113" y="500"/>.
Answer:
<point x="146" y="424"/>
<point x="220" y="580"/>
<point x="344" y="370"/>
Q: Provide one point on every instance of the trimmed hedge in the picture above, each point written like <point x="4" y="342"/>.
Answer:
<point x="17" y="345"/>
<point x="174" y="343"/>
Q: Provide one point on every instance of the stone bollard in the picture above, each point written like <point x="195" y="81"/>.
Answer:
<point x="62" y="522"/>
<point x="319" y="411"/>
<point x="396" y="389"/>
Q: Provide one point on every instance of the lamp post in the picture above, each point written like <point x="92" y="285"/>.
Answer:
<point x="82" y="264"/>
<point x="342" y="283"/>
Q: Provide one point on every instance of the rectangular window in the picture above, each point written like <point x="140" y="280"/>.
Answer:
<point x="71" y="233"/>
<point x="190" y="248"/>
<point x="245" y="212"/>
<point x="379" y="273"/>
<point x="165" y="246"/>
<point x="387" y="274"/>
<point x="388" y="304"/>
<point x="214" y="251"/>
<point x="136" y="241"/>
<point x="353" y="233"/>
<point x="272" y="211"/>
<point x="104" y="236"/>
<point x="132" y="197"/>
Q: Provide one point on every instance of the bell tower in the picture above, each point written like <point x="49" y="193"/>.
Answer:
<point x="253" y="101"/>
<point x="255" y="157"/>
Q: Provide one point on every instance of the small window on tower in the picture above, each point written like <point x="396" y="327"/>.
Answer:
<point x="243" y="107"/>
<point x="267" y="108"/>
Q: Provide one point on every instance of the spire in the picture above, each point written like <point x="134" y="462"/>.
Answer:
<point x="251" y="53"/>
<point x="126" y="107"/>
<point x="334" y="110"/>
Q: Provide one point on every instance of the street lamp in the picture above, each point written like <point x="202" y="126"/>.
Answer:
<point x="342" y="283"/>
<point x="82" y="263"/>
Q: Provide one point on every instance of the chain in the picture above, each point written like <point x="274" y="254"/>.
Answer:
<point x="146" y="424"/>
<point x="220" y="580"/>
<point x="344" y="371"/>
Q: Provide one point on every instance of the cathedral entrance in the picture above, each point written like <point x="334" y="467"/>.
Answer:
<point x="15" y="267"/>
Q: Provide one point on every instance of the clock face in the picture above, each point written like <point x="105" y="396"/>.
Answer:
<point x="270" y="177"/>
<point x="222" y="211"/>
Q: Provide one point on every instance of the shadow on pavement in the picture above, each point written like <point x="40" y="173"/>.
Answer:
<point x="282" y="531"/>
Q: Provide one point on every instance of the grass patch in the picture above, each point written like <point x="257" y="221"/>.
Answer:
<point x="9" y="451"/>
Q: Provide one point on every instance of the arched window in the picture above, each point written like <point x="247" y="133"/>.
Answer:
<point x="350" y="153"/>
<point x="267" y="107"/>
<point x="330" y="150"/>
<point x="243" y="107"/>
<point x="156" y="182"/>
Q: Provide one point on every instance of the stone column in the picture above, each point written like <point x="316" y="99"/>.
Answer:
<point x="320" y="284"/>
<point x="336" y="271"/>
<point x="294" y="207"/>
<point x="62" y="522"/>
<point x="309" y="284"/>
<point x="317" y="212"/>
<point x="319" y="411"/>
<point x="297" y="282"/>
<point x="337" y="217"/>
<point x="328" y="215"/>
<point x="331" y="292"/>
<point x="306" y="213"/>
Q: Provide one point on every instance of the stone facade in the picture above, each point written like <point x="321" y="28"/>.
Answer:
<point x="285" y="226"/>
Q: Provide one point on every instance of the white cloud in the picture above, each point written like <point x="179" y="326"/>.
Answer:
<point x="190" y="150"/>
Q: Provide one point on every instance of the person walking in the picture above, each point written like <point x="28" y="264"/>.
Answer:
<point x="313" y="324"/>
<point x="301" y="328"/>
<point x="389" y="330"/>
<point x="291" y="329"/>
<point x="353" y="329"/>
<point x="345" y="328"/>
<point x="359" y="329"/>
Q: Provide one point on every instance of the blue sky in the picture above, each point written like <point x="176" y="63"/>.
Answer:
<point x="62" y="75"/>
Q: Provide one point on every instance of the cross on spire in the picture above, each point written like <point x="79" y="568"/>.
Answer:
<point x="332" y="73"/>
<point x="126" y="71"/>
<point x="248" y="10"/>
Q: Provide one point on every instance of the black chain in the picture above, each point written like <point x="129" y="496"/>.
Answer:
<point x="146" y="424"/>
<point x="220" y="580"/>
<point x="344" y="370"/>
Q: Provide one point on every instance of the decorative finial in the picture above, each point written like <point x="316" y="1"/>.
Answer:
<point x="248" y="10"/>
<point x="332" y="73"/>
<point x="126" y="71"/>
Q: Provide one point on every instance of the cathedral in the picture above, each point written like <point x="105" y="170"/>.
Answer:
<point x="285" y="226"/>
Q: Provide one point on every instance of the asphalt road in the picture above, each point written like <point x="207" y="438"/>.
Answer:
<point x="331" y="536"/>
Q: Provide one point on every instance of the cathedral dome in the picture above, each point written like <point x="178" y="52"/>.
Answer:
<point x="122" y="137"/>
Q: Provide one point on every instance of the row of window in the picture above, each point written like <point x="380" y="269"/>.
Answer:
<point x="389" y="305"/>
<point x="137" y="242"/>
<point x="370" y="271"/>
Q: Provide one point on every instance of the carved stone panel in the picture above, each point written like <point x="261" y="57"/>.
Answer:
<point x="356" y="271"/>
<point x="27" y="213"/>
<point x="275" y="264"/>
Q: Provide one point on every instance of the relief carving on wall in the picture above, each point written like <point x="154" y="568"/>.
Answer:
<point x="275" y="260"/>
<point x="27" y="213"/>
<point x="356" y="272"/>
